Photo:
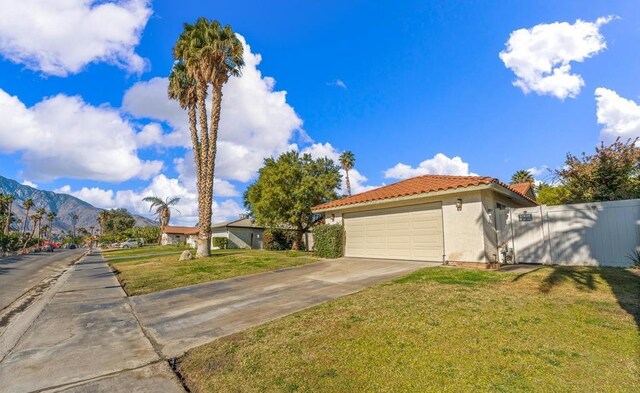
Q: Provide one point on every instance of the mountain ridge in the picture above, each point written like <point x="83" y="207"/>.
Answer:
<point x="64" y="204"/>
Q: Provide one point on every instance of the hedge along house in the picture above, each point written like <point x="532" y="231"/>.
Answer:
<point x="428" y="218"/>
<point x="242" y="233"/>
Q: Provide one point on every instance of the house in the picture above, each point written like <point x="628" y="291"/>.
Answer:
<point x="242" y="233"/>
<point x="174" y="235"/>
<point x="453" y="219"/>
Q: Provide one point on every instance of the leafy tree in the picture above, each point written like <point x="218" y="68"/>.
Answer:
<point x="118" y="220"/>
<point x="7" y="205"/>
<point x="612" y="173"/>
<point x="206" y="55"/>
<point x="552" y="195"/>
<point x="347" y="160"/>
<point x="522" y="176"/>
<point x="163" y="208"/>
<point x="288" y="187"/>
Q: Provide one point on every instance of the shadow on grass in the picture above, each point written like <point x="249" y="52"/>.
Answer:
<point x="624" y="283"/>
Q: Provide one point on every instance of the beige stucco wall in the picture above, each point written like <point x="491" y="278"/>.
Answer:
<point x="469" y="234"/>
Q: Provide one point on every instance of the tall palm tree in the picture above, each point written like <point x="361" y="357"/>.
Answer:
<point x="50" y="217"/>
<point x="74" y="221"/>
<point x="27" y="204"/>
<point x="35" y="219"/>
<point x="8" y="199"/>
<point x="103" y="216"/>
<point x="522" y="176"/>
<point x="347" y="160"/>
<point x="211" y="54"/>
<point x="163" y="209"/>
<point x="41" y="212"/>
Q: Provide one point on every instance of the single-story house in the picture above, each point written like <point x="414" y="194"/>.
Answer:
<point x="174" y="235"/>
<point x="449" y="219"/>
<point x="242" y="233"/>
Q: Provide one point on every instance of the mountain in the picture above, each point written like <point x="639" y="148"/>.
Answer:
<point x="65" y="205"/>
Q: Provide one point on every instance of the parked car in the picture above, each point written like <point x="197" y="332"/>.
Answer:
<point x="72" y="247"/>
<point x="129" y="243"/>
<point x="47" y="247"/>
<point x="115" y="245"/>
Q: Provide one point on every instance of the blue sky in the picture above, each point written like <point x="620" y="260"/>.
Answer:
<point x="398" y="83"/>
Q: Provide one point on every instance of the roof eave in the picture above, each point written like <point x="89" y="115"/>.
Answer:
<point x="407" y="197"/>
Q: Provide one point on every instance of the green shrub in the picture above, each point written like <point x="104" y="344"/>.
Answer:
<point x="278" y="239"/>
<point x="329" y="241"/>
<point x="221" y="242"/>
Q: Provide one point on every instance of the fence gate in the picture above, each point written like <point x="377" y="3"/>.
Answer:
<point x="593" y="234"/>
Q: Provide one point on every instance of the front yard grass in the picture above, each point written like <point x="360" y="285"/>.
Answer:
<point x="154" y="249"/>
<point x="443" y="329"/>
<point x="156" y="273"/>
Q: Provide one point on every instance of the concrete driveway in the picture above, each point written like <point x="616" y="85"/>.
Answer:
<point x="183" y="318"/>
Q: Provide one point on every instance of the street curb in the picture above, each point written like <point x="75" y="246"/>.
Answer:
<point x="22" y="321"/>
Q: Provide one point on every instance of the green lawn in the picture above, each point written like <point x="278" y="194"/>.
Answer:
<point x="443" y="329"/>
<point x="155" y="249"/>
<point x="156" y="273"/>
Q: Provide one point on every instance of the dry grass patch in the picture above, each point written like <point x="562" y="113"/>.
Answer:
<point x="156" y="273"/>
<point x="440" y="329"/>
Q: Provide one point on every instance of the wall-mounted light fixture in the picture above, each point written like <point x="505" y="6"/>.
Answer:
<point x="459" y="204"/>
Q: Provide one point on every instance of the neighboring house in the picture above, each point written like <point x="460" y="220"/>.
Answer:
<point x="180" y="235"/>
<point x="428" y="218"/>
<point x="242" y="233"/>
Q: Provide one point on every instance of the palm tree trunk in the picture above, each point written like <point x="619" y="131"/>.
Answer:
<point x="7" y="224"/>
<point x="348" y="184"/>
<point x="26" y="220"/>
<point x="204" y="179"/>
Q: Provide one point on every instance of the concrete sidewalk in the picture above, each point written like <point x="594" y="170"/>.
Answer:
<point x="183" y="318"/>
<point x="86" y="339"/>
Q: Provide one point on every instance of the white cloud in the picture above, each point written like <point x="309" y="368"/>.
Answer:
<point x="29" y="183"/>
<point x="63" y="136"/>
<point x="256" y="120"/>
<point x="58" y="37"/>
<point x="619" y="116"/>
<point x="151" y="134"/>
<point x="541" y="56"/>
<point x="187" y="175"/>
<point x="338" y="83"/>
<point x="162" y="187"/>
<point x="440" y="164"/>
<point x="358" y="181"/>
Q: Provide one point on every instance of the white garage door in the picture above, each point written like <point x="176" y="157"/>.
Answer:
<point x="409" y="232"/>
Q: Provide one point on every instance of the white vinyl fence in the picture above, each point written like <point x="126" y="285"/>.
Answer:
<point x="593" y="234"/>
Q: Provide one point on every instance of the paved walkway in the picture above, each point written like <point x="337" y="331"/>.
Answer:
<point x="86" y="339"/>
<point x="183" y="318"/>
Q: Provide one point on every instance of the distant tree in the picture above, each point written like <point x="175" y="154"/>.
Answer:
<point x="41" y="212"/>
<point x="118" y="220"/>
<point x="552" y="195"/>
<point x="347" y="160"/>
<point x="612" y="173"/>
<point x="211" y="54"/>
<point x="162" y="209"/>
<point x="8" y="199"/>
<point x="522" y="176"/>
<point x="288" y="187"/>
<point x="74" y="222"/>
<point x="102" y="218"/>
<point x="27" y="204"/>
<point x="51" y="216"/>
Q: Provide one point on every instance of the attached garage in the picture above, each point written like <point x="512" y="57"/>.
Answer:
<point x="434" y="218"/>
<point x="408" y="232"/>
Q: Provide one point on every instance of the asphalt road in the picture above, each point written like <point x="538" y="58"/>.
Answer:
<point x="21" y="273"/>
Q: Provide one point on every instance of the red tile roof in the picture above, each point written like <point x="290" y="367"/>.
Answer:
<point x="181" y="230"/>
<point x="418" y="185"/>
<point x="521" y="188"/>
